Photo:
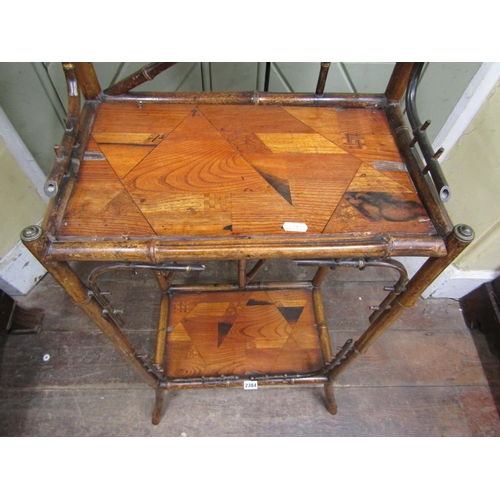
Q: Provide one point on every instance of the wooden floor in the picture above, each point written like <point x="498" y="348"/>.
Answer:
<point x="429" y="375"/>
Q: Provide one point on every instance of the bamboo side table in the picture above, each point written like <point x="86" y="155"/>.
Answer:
<point x="169" y="181"/>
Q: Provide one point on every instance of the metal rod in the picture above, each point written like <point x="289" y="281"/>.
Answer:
<point x="358" y="263"/>
<point x="423" y="184"/>
<point x="456" y="242"/>
<point x="229" y="287"/>
<point x="267" y="77"/>
<point x="432" y="164"/>
<point x="107" y="309"/>
<point x="394" y="291"/>
<point x="361" y="264"/>
<point x="98" y="271"/>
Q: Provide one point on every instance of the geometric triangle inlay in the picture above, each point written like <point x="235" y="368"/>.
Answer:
<point x="291" y="314"/>
<point x="222" y="330"/>
<point x="123" y="158"/>
<point x="280" y="185"/>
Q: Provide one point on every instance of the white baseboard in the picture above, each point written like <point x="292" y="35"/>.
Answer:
<point x="455" y="283"/>
<point x="452" y="283"/>
<point x="19" y="271"/>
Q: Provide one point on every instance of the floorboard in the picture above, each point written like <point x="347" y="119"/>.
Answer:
<point x="429" y="375"/>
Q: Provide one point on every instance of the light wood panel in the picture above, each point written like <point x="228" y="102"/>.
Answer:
<point x="101" y="206"/>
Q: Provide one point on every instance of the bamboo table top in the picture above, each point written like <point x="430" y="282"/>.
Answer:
<point x="183" y="170"/>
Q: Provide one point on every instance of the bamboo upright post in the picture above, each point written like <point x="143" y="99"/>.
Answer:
<point x="34" y="239"/>
<point x="87" y="80"/>
<point x="456" y="242"/>
<point x="398" y="83"/>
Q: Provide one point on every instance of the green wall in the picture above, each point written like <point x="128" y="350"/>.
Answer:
<point x="20" y="204"/>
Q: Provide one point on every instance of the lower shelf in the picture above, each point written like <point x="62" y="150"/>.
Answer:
<point x="242" y="333"/>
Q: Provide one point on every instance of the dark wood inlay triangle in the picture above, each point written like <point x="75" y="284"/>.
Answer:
<point x="222" y="330"/>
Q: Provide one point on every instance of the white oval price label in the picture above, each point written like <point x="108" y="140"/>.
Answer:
<point x="250" y="385"/>
<point x="297" y="227"/>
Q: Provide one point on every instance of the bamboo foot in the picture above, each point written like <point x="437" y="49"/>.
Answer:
<point x="157" y="410"/>
<point x="331" y="404"/>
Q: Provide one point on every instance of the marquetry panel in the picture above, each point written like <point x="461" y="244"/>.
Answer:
<point x="143" y="118"/>
<point x="324" y="121"/>
<point x="299" y="143"/>
<point x="362" y="121"/>
<point x="222" y="170"/>
<point x="101" y="206"/>
<point x="123" y="158"/>
<point x="242" y="333"/>
<point x="254" y="120"/>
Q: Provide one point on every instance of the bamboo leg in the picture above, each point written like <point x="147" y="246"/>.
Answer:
<point x="61" y="271"/>
<point x="331" y="404"/>
<point x="164" y="282"/>
<point x="159" y="397"/>
<point x="456" y="242"/>
<point x="324" y="337"/>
